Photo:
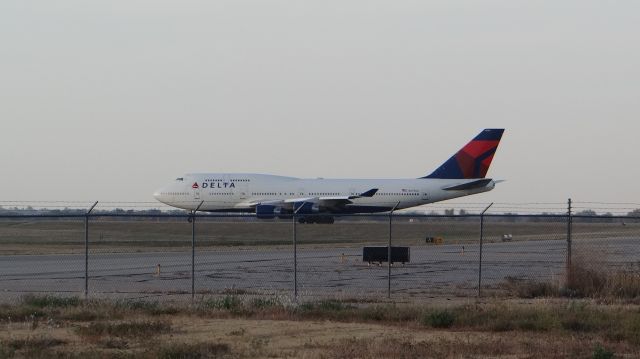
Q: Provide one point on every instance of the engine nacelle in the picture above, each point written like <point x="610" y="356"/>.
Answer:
<point x="266" y="211"/>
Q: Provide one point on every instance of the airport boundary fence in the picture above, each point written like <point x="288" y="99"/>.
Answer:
<point x="182" y="256"/>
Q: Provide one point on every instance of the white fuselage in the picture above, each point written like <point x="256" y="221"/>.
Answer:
<point x="242" y="191"/>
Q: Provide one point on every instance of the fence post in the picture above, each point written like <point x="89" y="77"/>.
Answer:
<point x="295" y="252"/>
<point x="389" y="251"/>
<point x="86" y="250"/>
<point x="480" y="255"/>
<point x="192" y="216"/>
<point x="569" y="234"/>
<point x="295" y="259"/>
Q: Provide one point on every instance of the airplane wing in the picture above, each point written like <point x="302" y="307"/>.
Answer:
<point x="367" y="194"/>
<point x="330" y="202"/>
<point x="338" y="202"/>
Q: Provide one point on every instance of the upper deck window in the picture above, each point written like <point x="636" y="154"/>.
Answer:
<point x="179" y="179"/>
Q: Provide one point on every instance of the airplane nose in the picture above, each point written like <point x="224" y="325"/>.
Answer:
<point x="158" y="195"/>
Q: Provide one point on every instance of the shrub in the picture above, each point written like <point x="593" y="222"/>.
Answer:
<point x="588" y="278"/>
<point x="142" y="329"/>
<point x="529" y="288"/>
<point x="228" y="302"/>
<point x="6" y="352"/>
<point x="50" y="301"/>
<point x="148" y="307"/>
<point x="602" y="353"/>
<point x="329" y="305"/>
<point x="262" y="303"/>
<point x="192" y="351"/>
<point x="32" y="343"/>
<point x="439" y="319"/>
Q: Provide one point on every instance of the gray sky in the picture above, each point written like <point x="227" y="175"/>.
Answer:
<point x="108" y="100"/>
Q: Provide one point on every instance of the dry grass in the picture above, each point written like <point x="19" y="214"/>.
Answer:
<point x="28" y="347"/>
<point x="130" y="329"/>
<point x="149" y="329"/>
<point x="514" y="346"/>
<point x="191" y="351"/>
<point x="588" y="277"/>
<point x="530" y="289"/>
<point x="113" y="318"/>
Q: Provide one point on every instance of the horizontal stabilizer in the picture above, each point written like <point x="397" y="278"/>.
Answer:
<point x="469" y="185"/>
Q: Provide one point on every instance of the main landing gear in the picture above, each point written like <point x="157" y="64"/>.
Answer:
<point x="316" y="219"/>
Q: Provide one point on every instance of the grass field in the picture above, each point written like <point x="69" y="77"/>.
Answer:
<point x="67" y="236"/>
<point x="237" y="327"/>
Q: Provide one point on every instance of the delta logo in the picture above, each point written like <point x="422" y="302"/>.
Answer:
<point x="214" y="185"/>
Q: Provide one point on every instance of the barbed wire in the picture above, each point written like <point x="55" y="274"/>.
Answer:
<point x="601" y="208"/>
<point x="610" y="203"/>
<point x="449" y="202"/>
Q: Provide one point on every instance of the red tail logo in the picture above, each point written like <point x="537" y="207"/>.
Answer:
<point x="474" y="159"/>
<point x="195" y="185"/>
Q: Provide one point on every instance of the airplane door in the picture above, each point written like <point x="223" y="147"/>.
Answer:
<point x="195" y="187"/>
<point x="243" y="190"/>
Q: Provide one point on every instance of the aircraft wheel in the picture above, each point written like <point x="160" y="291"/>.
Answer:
<point x="302" y="220"/>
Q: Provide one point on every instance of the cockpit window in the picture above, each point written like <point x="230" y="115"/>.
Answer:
<point x="179" y="179"/>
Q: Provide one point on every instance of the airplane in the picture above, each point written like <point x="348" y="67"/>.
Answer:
<point x="315" y="200"/>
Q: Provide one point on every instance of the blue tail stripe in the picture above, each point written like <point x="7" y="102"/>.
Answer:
<point x="490" y="134"/>
<point x="449" y="169"/>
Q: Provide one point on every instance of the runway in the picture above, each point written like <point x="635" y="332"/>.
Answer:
<point x="434" y="270"/>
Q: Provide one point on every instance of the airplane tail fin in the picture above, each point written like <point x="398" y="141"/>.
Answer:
<point x="473" y="160"/>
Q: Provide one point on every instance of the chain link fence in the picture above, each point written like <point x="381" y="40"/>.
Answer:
<point x="184" y="256"/>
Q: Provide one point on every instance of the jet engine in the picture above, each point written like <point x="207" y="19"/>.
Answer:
<point x="266" y="211"/>
<point x="306" y="208"/>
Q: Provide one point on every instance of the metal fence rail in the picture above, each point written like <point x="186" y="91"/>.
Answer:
<point x="187" y="255"/>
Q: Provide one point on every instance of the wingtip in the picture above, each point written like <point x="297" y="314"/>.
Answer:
<point x="369" y="193"/>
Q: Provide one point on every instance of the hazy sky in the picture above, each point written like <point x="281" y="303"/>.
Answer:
<point x="108" y="100"/>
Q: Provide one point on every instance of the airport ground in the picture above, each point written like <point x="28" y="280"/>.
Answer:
<point x="152" y="259"/>
<point x="45" y="236"/>
<point x="244" y="308"/>
<point x="447" y="270"/>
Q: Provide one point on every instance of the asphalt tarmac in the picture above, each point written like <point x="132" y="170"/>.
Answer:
<point x="433" y="270"/>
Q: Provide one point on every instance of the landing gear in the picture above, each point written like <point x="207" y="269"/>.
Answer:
<point x="316" y="219"/>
